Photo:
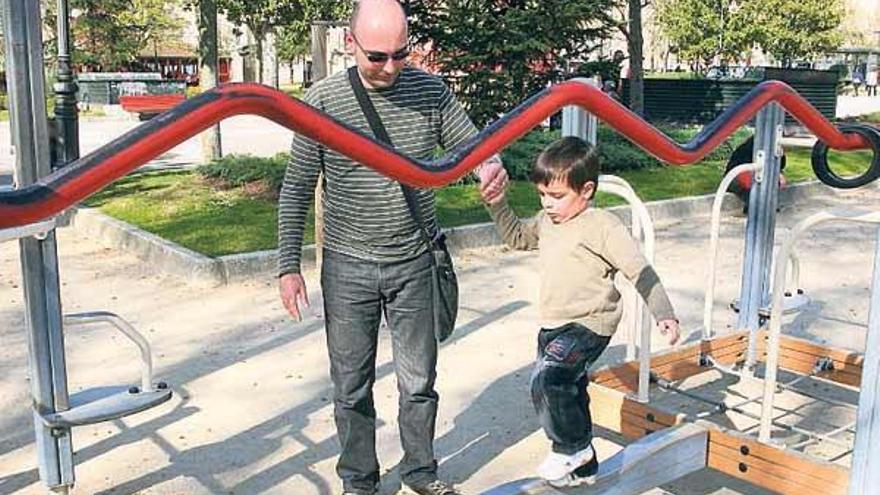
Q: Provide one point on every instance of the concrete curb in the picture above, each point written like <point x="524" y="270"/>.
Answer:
<point x="168" y="257"/>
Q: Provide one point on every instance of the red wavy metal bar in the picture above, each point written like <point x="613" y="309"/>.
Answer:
<point x="83" y="177"/>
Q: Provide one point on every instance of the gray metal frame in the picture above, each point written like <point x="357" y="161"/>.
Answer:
<point x="761" y="224"/>
<point x="39" y="258"/>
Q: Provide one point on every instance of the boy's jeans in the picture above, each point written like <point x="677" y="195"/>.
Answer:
<point x="356" y="293"/>
<point x="559" y="384"/>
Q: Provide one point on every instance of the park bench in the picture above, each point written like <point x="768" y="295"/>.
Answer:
<point x="147" y="106"/>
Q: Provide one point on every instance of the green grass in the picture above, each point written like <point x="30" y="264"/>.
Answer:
<point x="181" y="207"/>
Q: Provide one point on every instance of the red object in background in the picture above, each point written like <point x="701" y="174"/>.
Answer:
<point x="223" y="70"/>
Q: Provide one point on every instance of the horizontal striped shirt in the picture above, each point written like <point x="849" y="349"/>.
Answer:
<point x="365" y="213"/>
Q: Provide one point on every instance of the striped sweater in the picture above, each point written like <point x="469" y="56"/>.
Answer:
<point x="365" y="213"/>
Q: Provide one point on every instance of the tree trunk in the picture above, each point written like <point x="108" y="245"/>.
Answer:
<point x="319" y="51"/>
<point x="319" y="71"/>
<point x="635" y="43"/>
<point x="258" y="39"/>
<point x="208" y="76"/>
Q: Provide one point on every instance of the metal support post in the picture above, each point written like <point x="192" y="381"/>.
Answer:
<point x="865" y="471"/>
<point x="577" y="122"/>
<point x="39" y="261"/>
<point x="761" y="224"/>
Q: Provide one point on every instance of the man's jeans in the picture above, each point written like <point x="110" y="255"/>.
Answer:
<point x="356" y="294"/>
<point x="559" y="384"/>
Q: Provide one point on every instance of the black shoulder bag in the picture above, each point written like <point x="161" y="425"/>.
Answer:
<point x="445" y="283"/>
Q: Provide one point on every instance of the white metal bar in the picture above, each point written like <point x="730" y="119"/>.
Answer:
<point x="772" y="363"/>
<point x="38" y="230"/>
<point x="619" y="187"/>
<point x="81" y="319"/>
<point x="714" y="234"/>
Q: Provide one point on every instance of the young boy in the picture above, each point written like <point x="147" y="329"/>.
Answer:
<point x="580" y="250"/>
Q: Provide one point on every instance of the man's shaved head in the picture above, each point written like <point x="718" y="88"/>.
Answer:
<point x="381" y="9"/>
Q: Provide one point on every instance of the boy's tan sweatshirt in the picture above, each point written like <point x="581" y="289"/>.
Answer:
<point x="578" y="260"/>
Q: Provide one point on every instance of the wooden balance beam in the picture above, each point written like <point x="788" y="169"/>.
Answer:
<point x="652" y="461"/>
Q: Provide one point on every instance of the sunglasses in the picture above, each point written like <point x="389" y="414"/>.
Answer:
<point x="377" y="57"/>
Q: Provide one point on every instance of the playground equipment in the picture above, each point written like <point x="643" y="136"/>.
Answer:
<point x="30" y="213"/>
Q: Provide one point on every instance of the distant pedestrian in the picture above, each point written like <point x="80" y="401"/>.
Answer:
<point x="858" y="78"/>
<point x="871" y="81"/>
<point x="610" y="89"/>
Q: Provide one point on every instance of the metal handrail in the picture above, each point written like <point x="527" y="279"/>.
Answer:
<point x="83" y="177"/>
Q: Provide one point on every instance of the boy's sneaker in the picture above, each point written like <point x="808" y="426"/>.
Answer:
<point x="436" y="487"/>
<point x="561" y="470"/>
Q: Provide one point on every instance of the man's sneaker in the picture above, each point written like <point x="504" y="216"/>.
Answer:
<point x="436" y="487"/>
<point x="561" y="470"/>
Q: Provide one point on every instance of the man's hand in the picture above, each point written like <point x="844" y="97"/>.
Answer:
<point x="493" y="180"/>
<point x="293" y="294"/>
<point x="669" y="327"/>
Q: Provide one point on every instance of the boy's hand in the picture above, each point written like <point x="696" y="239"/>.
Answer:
<point x="493" y="181"/>
<point x="669" y="327"/>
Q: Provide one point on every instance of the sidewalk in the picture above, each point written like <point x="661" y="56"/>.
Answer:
<point x="252" y="410"/>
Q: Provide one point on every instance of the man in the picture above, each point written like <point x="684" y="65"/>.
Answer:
<point x="375" y="261"/>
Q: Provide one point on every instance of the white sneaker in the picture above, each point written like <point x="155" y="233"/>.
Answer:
<point x="559" y="469"/>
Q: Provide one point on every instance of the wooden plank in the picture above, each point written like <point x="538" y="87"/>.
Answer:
<point x="610" y="409"/>
<point x="812" y="359"/>
<point x="791" y="470"/>
<point x="674" y="365"/>
<point x="844" y="356"/>
<point x="739" y="339"/>
<point x="768" y="481"/>
<point x="732" y="444"/>
<point x="801" y="367"/>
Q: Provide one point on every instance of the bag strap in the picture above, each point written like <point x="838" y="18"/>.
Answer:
<point x="381" y="134"/>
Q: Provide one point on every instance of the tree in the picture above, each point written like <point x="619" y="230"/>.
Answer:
<point x="792" y="30"/>
<point x="497" y="57"/>
<point x="208" y="77"/>
<point x="703" y="30"/>
<point x="632" y="31"/>
<point x="109" y="34"/>
<point x="261" y="17"/>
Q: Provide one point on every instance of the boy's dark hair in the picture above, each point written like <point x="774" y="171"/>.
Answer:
<point x="570" y="159"/>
